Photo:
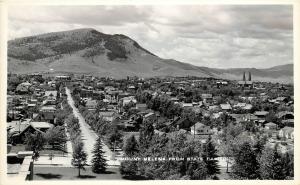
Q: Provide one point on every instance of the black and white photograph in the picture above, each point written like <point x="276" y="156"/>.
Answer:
<point x="143" y="92"/>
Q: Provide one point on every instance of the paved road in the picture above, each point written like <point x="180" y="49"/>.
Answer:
<point x="89" y="136"/>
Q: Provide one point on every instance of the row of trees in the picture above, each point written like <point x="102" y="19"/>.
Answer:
<point x="252" y="158"/>
<point x="269" y="164"/>
<point x="79" y="159"/>
<point x="174" y="145"/>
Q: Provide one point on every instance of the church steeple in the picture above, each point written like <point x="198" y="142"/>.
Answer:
<point x="244" y="76"/>
<point x="249" y="77"/>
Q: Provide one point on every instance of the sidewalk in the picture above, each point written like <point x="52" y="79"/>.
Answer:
<point x="56" y="161"/>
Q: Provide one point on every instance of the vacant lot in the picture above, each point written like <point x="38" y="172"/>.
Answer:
<point x="67" y="173"/>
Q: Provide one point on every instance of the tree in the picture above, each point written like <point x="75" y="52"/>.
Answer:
<point x="98" y="162"/>
<point x="79" y="157"/>
<point x="131" y="146"/>
<point x="35" y="142"/>
<point x="101" y="105"/>
<point x="227" y="151"/>
<point x="288" y="160"/>
<point x="115" y="136"/>
<point x="197" y="170"/>
<point x="209" y="157"/>
<point x="56" y="135"/>
<point x="245" y="163"/>
<point x="129" y="168"/>
<point x="271" y="165"/>
<point x="146" y="134"/>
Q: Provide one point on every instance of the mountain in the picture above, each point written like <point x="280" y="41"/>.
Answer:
<point x="93" y="52"/>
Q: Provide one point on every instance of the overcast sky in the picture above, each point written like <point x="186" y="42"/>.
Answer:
<point x="222" y="36"/>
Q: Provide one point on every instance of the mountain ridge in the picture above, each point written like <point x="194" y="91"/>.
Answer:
<point x="89" y="51"/>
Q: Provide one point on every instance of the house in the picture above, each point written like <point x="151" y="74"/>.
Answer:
<point x="108" y="115"/>
<point x="52" y="94"/>
<point x="123" y="95"/>
<point x="141" y="106"/>
<point x="174" y="99"/>
<point x="18" y="136"/>
<point x="91" y="104"/>
<point x="183" y="123"/>
<point x="226" y="107"/>
<point x="247" y="107"/>
<point x="131" y="89"/>
<point x="244" y="117"/>
<point x="261" y="114"/>
<point x="286" y="132"/>
<point x="213" y="108"/>
<point x="150" y="116"/>
<point x="221" y="83"/>
<point x="62" y="78"/>
<point x="285" y="115"/>
<point x="207" y="98"/>
<point x="127" y="100"/>
<point x="50" y="97"/>
<point x="48" y="109"/>
<point x="282" y="99"/>
<point x="270" y="126"/>
<point x="243" y="106"/>
<point x="238" y="117"/>
<point x="41" y="126"/>
<point x="186" y="105"/>
<point x="47" y="113"/>
<point x="200" y="129"/>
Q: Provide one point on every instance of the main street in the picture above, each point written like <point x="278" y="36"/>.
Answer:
<point x="88" y="136"/>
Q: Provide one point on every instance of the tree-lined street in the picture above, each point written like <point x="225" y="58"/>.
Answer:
<point x="88" y="136"/>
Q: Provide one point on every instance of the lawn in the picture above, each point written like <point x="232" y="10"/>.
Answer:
<point x="70" y="173"/>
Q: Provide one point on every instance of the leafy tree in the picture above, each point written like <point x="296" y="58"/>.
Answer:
<point x="271" y="117"/>
<point x="35" y="142"/>
<point x="259" y="145"/>
<point x="245" y="163"/>
<point x="129" y="168"/>
<point x="101" y="105"/>
<point x="288" y="160"/>
<point x="227" y="151"/>
<point x="79" y="157"/>
<point x="128" y="106"/>
<point x="197" y="170"/>
<point x="98" y="162"/>
<point x="114" y="136"/>
<point x="131" y="146"/>
<point x="271" y="165"/>
<point x="209" y="157"/>
<point x="146" y="134"/>
<point x="190" y="115"/>
<point x="56" y="135"/>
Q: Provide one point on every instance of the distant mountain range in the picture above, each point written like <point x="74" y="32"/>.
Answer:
<point x="118" y="56"/>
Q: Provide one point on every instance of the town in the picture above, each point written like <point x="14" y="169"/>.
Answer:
<point x="79" y="126"/>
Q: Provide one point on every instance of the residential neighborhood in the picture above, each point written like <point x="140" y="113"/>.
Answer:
<point x="143" y="91"/>
<point x="47" y="116"/>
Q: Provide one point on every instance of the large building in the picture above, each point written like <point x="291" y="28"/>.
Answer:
<point x="246" y="83"/>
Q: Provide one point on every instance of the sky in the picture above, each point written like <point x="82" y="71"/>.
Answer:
<point x="218" y="36"/>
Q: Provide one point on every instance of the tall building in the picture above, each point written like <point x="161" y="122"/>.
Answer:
<point x="246" y="83"/>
